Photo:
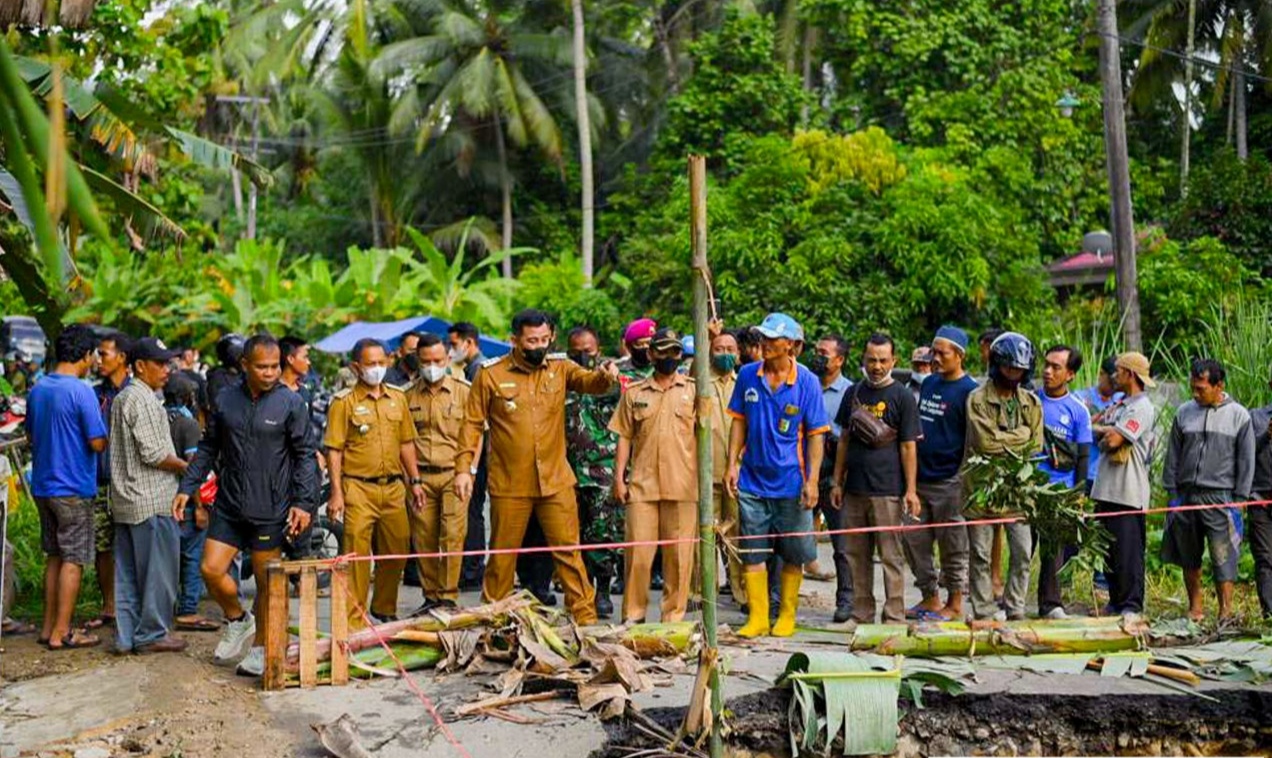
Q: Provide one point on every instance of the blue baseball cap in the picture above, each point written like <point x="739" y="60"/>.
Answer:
<point x="687" y="344"/>
<point x="779" y="325"/>
<point x="953" y="335"/>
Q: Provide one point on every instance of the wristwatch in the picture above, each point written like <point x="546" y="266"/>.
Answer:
<point x="417" y="480"/>
<point x="472" y="470"/>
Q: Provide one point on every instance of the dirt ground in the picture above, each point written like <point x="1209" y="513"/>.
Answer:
<point x="191" y="707"/>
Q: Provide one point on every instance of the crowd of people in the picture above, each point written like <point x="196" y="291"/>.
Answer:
<point x="167" y="477"/>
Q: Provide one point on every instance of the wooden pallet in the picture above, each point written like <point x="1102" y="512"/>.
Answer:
<point x="278" y="614"/>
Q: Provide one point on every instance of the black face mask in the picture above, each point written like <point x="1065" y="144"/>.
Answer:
<point x="640" y="357"/>
<point x="535" y="356"/>
<point x="666" y="366"/>
<point x="583" y="359"/>
<point x="819" y="365"/>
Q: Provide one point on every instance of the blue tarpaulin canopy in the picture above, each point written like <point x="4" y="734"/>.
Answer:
<point x="390" y="333"/>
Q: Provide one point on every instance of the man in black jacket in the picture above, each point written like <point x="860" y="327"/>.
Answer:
<point x="259" y="444"/>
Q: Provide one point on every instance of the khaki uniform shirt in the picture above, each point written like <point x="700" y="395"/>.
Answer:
<point x="438" y="414"/>
<point x="369" y="430"/>
<point x="524" y="407"/>
<point x="721" y="423"/>
<point x="996" y="425"/>
<point x="659" y="424"/>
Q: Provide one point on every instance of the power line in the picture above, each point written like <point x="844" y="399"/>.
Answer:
<point x="1214" y="65"/>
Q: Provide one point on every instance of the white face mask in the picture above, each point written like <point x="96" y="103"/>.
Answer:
<point x="433" y="374"/>
<point x="458" y="355"/>
<point x="374" y="375"/>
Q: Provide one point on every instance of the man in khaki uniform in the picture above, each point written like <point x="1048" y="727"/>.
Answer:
<point x="436" y="401"/>
<point x="521" y="396"/>
<point x="370" y="445"/>
<point x="654" y="423"/>
<point x="724" y="363"/>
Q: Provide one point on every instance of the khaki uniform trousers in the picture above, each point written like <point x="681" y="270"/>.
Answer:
<point x="558" y="514"/>
<point x="440" y="528"/>
<point x="375" y="522"/>
<point x="659" y="520"/>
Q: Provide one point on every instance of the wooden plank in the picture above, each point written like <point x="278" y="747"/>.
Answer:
<point x="339" y="624"/>
<point x="296" y="567"/>
<point x="309" y="628"/>
<point x="275" y="627"/>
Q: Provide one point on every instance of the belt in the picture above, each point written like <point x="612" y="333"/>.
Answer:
<point x="436" y="469"/>
<point x="388" y="479"/>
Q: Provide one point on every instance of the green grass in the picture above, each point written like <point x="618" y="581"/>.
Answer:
<point x="24" y="535"/>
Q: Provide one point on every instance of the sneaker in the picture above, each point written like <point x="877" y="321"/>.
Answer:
<point x="253" y="664"/>
<point x="1000" y="615"/>
<point x="1056" y="614"/>
<point x="235" y="637"/>
<point x="842" y="614"/>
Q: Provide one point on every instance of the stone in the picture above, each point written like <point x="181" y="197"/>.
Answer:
<point x="92" y="752"/>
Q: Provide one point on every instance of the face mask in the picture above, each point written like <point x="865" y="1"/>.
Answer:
<point x="919" y="376"/>
<point x="724" y="362"/>
<point x="584" y="360"/>
<point x="374" y="375"/>
<point x="433" y="374"/>
<point x="458" y="355"/>
<point x="666" y="366"/>
<point x="535" y="357"/>
<point x="819" y="365"/>
<point x="640" y="357"/>
<point x="411" y="363"/>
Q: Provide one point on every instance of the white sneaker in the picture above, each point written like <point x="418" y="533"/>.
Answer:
<point x="253" y="664"/>
<point x="1000" y="616"/>
<point x="236" y="636"/>
<point x="1057" y="614"/>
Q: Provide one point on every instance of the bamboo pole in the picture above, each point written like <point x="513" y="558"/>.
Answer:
<point x="702" y="379"/>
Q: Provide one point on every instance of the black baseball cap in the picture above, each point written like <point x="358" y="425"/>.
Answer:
<point x="151" y="349"/>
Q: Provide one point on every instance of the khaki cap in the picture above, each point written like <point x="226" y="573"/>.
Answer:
<point x="1137" y="364"/>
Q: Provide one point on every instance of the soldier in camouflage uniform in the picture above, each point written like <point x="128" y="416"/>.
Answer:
<point x="590" y="448"/>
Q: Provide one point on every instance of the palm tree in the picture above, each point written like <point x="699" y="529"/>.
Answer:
<point x="579" y="53"/>
<point x="472" y="73"/>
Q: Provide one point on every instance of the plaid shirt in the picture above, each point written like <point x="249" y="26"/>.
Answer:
<point x="139" y="440"/>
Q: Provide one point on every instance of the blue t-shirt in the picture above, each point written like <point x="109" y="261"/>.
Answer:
<point x="943" y="415"/>
<point x="62" y="417"/>
<point x="1065" y="418"/>
<point x="1096" y="406"/>
<point x="777" y="423"/>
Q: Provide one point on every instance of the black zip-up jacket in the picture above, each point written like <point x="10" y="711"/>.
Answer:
<point x="262" y="453"/>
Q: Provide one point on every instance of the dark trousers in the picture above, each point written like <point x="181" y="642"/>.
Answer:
<point x="839" y="545"/>
<point x="1259" y="533"/>
<point x="474" y="566"/>
<point x="534" y="570"/>
<point x="1049" y="566"/>
<point x="1126" y="557"/>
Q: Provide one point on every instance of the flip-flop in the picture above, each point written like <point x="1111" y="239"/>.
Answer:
<point x="104" y="620"/>
<point x="926" y="615"/>
<point x="72" y="642"/>
<point x="819" y="576"/>
<point x="198" y="624"/>
<point x="13" y="627"/>
<point x="914" y="611"/>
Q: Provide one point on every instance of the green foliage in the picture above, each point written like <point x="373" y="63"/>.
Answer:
<point x="556" y="287"/>
<point x="1231" y="201"/>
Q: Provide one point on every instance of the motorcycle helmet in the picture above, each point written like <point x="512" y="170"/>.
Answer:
<point x="1011" y="350"/>
<point x="229" y="349"/>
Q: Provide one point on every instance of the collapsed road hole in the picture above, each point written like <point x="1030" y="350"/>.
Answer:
<point x="1237" y="722"/>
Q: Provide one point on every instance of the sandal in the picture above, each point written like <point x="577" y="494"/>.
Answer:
<point x="76" y="640"/>
<point x="13" y="627"/>
<point x="104" y="620"/>
<point x="197" y="624"/>
<point x="925" y="615"/>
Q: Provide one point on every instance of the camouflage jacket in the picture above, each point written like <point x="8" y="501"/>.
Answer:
<point x="590" y="445"/>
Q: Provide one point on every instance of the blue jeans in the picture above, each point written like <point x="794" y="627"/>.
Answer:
<point x="147" y="562"/>
<point x="775" y="515"/>
<point x="192" y="539"/>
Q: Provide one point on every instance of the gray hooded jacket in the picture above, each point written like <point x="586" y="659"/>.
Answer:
<point x="1211" y="448"/>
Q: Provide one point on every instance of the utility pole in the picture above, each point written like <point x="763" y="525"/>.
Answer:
<point x="585" y="143"/>
<point x="705" y="393"/>
<point x="1185" y="156"/>
<point x="1119" y="174"/>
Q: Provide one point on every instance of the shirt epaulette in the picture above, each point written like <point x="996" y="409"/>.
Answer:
<point x="461" y="380"/>
<point x="343" y="393"/>
<point x="492" y="361"/>
<point x="398" y="387"/>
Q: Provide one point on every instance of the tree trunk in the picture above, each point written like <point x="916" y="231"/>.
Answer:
<point x="377" y="227"/>
<point x="1239" y="108"/>
<point x="669" y="56"/>
<point x="505" y="192"/>
<point x="1185" y="156"/>
<point x="585" y="142"/>
<point x="810" y="42"/>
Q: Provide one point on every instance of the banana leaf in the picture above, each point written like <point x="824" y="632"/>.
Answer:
<point x="842" y="694"/>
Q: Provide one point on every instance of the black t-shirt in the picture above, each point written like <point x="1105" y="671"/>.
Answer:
<point x="185" y="433"/>
<point x="871" y="471"/>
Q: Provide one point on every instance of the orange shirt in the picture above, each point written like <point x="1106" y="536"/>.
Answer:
<point x="659" y="423"/>
<point x="438" y="414"/>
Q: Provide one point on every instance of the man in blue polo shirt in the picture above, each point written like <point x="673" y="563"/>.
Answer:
<point x="779" y="418"/>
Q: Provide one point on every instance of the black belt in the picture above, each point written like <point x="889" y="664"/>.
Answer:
<point x="389" y="479"/>
<point x="436" y="469"/>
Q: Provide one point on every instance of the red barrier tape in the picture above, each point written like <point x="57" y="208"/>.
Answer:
<point x="351" y="557"/>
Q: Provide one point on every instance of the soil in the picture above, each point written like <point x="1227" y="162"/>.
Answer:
<point x="1240" y="723"/>
<point x="193" y="708"/>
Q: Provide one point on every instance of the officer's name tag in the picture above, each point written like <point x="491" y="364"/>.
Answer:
<point x="361" y="410"/>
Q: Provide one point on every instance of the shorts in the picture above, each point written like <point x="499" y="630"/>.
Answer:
<point x="775" y="515"/>
<point x="66" y="528"/>
<point x="245" y="535"/>
<point x="1188" y="532"/>
<point x="103" y="522"/>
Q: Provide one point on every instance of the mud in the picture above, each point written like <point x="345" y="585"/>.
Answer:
<point x="1239" y="723"/>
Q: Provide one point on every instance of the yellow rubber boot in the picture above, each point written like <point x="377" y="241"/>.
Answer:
<point x="791" y="577"/>
<point x="757" y="598"/>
